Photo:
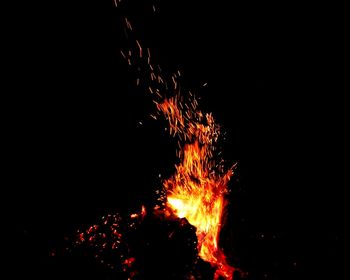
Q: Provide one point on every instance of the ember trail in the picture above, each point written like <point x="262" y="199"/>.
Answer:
<point x="194" y="194"/>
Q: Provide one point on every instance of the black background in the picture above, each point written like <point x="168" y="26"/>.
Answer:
<point x="275" y="82"/>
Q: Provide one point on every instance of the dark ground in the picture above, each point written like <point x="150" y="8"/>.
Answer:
<point x="276" y="83"/>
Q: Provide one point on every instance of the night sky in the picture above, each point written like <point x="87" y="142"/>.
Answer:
<point x="75" y="149"/>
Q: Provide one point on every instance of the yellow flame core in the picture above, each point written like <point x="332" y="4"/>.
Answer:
<point x="197" y="189"/>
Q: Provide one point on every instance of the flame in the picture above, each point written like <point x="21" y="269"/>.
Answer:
<point x="197" y="189"/>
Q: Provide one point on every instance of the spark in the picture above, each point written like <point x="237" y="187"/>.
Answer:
<point x="198" y="188"/>
<point x="140" y="48"/>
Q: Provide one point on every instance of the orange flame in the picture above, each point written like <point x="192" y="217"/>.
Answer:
<point x="197" y="189"/>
